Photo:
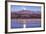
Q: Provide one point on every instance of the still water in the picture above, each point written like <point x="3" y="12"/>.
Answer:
<point x="27" y="23"/>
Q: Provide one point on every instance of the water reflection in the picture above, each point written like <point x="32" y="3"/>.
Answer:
<point x="25" y="23"/>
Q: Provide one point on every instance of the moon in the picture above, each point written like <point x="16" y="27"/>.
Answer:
<point x="24" y="8"/>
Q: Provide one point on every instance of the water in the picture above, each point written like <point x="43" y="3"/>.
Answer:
<point x="30" y="23"/>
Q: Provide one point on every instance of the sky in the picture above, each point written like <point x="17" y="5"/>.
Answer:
<point x="15" y="8"/>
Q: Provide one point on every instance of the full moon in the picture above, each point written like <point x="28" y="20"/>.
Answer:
<point x="24" y="8"/>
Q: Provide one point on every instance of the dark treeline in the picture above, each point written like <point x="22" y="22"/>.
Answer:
<point x="25" y="16"/>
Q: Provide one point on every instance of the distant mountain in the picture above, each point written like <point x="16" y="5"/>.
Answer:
<point x="25" y="14"/>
